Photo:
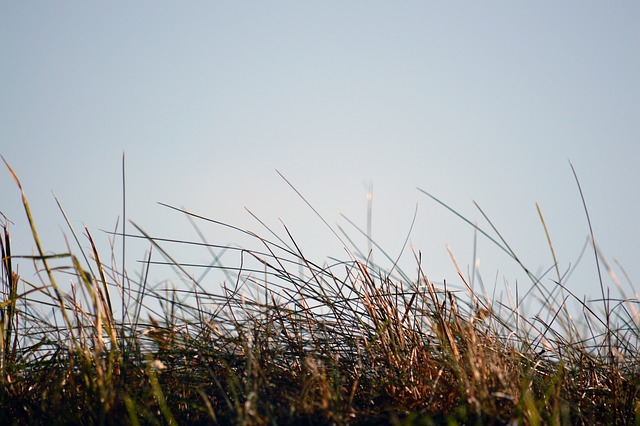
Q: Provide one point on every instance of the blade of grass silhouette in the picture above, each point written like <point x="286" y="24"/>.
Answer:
<point x="446" y="206"/>
<point x="369" y="214"/>
<point x="223" y="247"/>
<point x="268" y="228"/>
<point x="626" y="277"/>
<point x="73" y="233"/>
<point x="547" y="295"/>
<point x="226" y="225"/>
<point x="546" y="232"/>
<point x="176" y="241"/>
<point x="123" y="274"/>
<point x="404" y="276"/>
<point x="122" y="283"/>
<point x="143" y="292"/>
<point x="276" y="272"/>
<point x="97" y="301"/>
<point x="103" y="279"/>
<point x="404" y="245"/>
<point x="549" y="324"/>
<point x="553" y="254"/>
<point x="281" y="271"/>
<point x="174" y="264"/>
<point x="216" y="256"/>
<point x="585" y="307"/>
<point x="316" y="213"/>
<point x="42" y="256"/>
<point x="474" y="296"/>
<point x="10" y="293"/>
<point x="359" y="254"/>
<point x="304" y="259"/>
<point x="574" y="266"/>
<point x="295" y="252"/>
<point x="506" y="245"/>
<point x="22" y="296"/>
<point x="325" y="273"/>
<point x="595" y="250"/>
<point x="605" y="301"/>
<point x="267" y="243"/>
<point x="474" y="264"/>
<point x="611" y="272"/>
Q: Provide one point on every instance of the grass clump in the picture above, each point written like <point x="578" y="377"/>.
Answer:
<point x="289" y="341"/>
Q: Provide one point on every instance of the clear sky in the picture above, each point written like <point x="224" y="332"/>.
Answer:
<point x="483" y="101"/>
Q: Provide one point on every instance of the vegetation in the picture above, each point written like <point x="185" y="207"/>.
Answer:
<point x="290" y="341"/>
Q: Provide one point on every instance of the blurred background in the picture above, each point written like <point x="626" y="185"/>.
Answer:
<point x="207" y="101"/>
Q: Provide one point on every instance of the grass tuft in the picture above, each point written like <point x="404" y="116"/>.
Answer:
<point x="290" y="341"/>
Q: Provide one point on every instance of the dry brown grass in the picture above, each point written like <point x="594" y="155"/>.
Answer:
<point x="289" y="341"/>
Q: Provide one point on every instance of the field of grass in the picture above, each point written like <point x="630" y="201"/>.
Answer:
<point x="289" y="341"/>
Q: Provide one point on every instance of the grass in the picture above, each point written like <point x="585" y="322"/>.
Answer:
<point x="289" y="341"/>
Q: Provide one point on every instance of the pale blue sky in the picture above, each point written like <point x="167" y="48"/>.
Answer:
<point x="480" y="101"/>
